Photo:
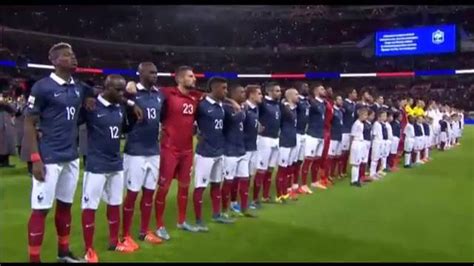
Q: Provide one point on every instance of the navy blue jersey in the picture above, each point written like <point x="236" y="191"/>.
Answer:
<point x="367" y="130"/>
<point x="58" y="105"/>
<point x="348" y="115"/>
<point x="251" y="127"/>
<point x="396" y="129"/>
<point x="384" y="131"/>
<point x="210" y="122"/>
<point x="377" y="108"/>
<point x="426" y="129"/>
<point x="302" y="110"/>
<point x="269" y="117"/>
<point x="104" y="126"/>
<point x="316" y="118"/>
<point x="443" y="125"/>
<point x="359" y="106"/>
<point x="374" y="108"/>
<point x="142" y="138"/>
<point x="288" y="127"/>
<point x="234" y="132"/>
<point x="337" y="124"/>
<point x="418" y="130"/>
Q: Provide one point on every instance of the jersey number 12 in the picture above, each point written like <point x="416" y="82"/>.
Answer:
<point x="114" y="132"/>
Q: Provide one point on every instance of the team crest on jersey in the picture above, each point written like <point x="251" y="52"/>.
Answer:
<point x="31" y="101"/>
<point x="40" y="197"/>
<point x="77" y="92"/>
<point x="120" y="113"/>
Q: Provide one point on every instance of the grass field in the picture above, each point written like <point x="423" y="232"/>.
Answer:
<point x="421" y="214"/>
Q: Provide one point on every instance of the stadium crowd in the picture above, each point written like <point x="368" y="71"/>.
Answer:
<point x="236" y="28"/>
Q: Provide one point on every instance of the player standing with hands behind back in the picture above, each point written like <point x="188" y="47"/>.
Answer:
<point x="54" y="103"/>
<point x="357" y="147"/>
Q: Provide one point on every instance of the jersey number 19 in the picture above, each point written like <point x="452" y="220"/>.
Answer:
<point x="71" y="111"/>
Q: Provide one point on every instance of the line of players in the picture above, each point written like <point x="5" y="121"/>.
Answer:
<point x="241" y="133"/>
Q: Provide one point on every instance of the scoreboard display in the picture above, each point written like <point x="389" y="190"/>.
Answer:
<point x="416" y="41"/>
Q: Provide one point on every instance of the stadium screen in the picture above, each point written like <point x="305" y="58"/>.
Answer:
<point x="415" y="41"/>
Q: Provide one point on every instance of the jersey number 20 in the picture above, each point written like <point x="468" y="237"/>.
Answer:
<point x="218" y="124"/>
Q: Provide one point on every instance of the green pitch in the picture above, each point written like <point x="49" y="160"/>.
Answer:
<point x="421" y="214"/>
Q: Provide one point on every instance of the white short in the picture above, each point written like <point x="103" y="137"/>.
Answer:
<point x="141" y="171"/>
<point x="419" y="143"/>
<point x="60" y="182"/>
<point x="435" y="135"/>
<point x="394" y="145"/>
<point x="357" y="152"/>
<point x="267" y="152"/>
<point x="409" y="144"/>
<point x="386" y="148"/>
<point x="207" y="169"/>
<point x="313" y="147"/>
<point x="365" y="157"/>
<point x="300" y="146"/>
<point x="108" y="186"/>
<point x="457" y="133"/>
<point x="377" y="150"/>
<point x="443" y="137"/>
<point x="287" y="156"/>
<point x="436" y="128"/>
<point x="251" y="157"/>
<point x="235" y="167"/>
<point x="427" y="141"/>
<point x="346" y="141"/>
<point x="335" y="148"/>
